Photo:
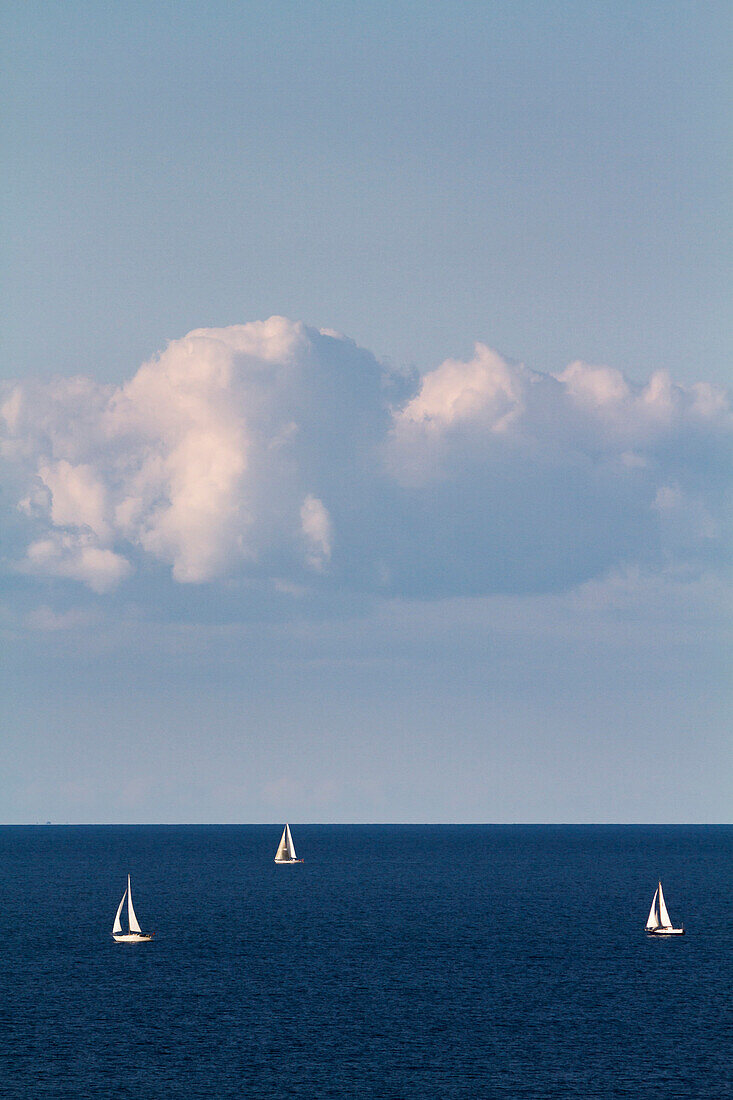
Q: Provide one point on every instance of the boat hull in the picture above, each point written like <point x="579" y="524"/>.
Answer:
<point x="132" y="937"/>
<point x="666" y="931"/>
<point x="288" y="861"/>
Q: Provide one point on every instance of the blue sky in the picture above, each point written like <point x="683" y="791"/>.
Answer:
<point x="427" y="517"/>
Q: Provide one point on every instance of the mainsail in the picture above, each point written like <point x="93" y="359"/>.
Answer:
<point x="664" y="920"/>
<point x="291" y="846"/>
<point x="652" y="921"/>
<point x="134" y="926"/>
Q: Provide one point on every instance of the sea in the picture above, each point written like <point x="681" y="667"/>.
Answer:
<point x="396" y="961"/>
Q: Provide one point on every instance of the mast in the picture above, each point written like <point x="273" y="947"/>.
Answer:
<point x="291" y="846"/>
<point x="134" y="926"/>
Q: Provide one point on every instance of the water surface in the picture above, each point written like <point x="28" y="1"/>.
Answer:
<point x="396" y="962"/>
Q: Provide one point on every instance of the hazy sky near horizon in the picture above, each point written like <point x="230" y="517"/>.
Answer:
<point x="365" y="428"/>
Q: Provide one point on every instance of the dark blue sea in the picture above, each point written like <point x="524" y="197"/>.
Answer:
<point x="396" y="961"/>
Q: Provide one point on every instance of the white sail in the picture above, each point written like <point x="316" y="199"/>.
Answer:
<point x="652" y="921"/>
<point x="291" y="846"/>
<point x="664" y="920"/>
<point x="282" y="848"/>
<point x="134" y="926"/>
<point x="117" y="926"/>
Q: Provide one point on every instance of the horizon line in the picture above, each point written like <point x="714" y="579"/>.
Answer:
<point x="359" y="824"/>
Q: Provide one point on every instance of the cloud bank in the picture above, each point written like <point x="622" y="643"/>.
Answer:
<point x="293" y="456"/>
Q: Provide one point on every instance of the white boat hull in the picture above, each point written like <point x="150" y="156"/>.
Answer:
<point x="666" y="931"/>
<point x="288" y="861"/>
<point x="132" y="937"/>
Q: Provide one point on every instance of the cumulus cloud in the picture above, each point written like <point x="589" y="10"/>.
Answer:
<point x="316" y="524"/>
<point x="485" y="389"/>
<point x="77" y="497"/>
<point x="63" y="554"/>
<point x="293" y="455"/>
<point x="207" y="459"/>
<point x="520" y="481"/>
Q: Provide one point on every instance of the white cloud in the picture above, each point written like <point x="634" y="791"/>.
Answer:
<point x="485" y="389"/>
<point x="596" y="387"/>
<point x="78" y="498"/>
<point x="317" y="529"/>
<point x="75" y="557"/>
<point x="271" y="448"/>
<point x="514" y="480"/>
<point x="204" y="460"/>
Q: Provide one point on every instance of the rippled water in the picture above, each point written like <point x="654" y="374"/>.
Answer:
<point x="397" y="961"/>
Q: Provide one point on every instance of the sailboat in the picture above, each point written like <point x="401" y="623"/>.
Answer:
<point x="658" y="922"/>
<point x="136" y="934"/>
<point x="286" y="849"/>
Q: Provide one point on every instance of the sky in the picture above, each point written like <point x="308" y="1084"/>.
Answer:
<point x="364" y="412"/>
